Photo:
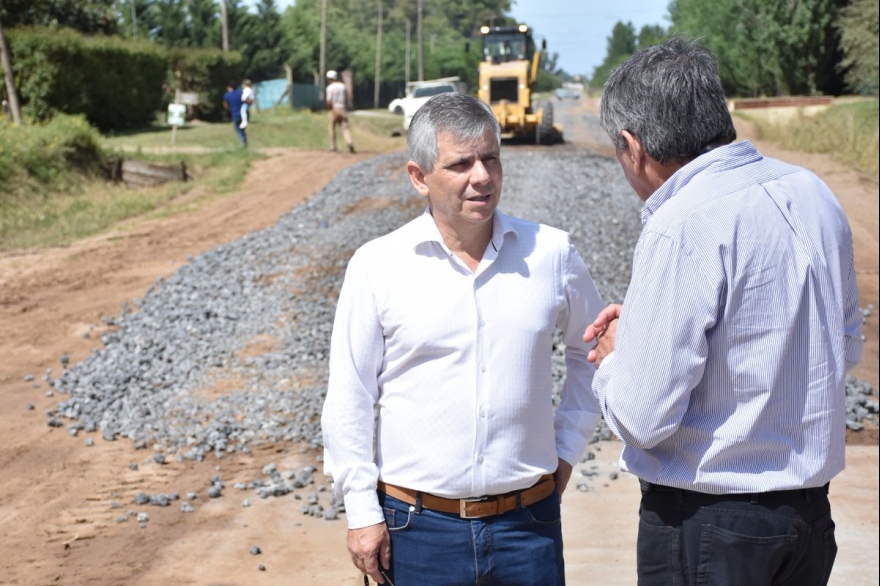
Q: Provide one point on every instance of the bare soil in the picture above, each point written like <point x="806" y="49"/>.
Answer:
<point x="56" y="522"/>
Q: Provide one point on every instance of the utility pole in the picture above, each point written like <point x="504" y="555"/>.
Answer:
<point x="224" y="25"/>
<point x="134" y="21"/>
<point x="419" y="41"/>
<point x="14" y="108"/>
<point x="378" y="58"/>
<point x="322" y="83"/>
<point x="406" y="61"/>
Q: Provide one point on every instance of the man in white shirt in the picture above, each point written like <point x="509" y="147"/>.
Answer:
<point x="726" y="374"/>
<point x="445" y="328"/>
<point x="337" y="99"/>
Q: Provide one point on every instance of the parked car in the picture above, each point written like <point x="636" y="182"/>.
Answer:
<point x="563" y="93"/>
<point x="422" y="91"/>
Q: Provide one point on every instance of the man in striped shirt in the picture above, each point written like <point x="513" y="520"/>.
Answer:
<point x="724" y="369"/>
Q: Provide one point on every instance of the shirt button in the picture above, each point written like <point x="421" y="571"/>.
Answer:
<point x="480" y="458"/>
<point x="482" y="323"/>
<point x="482" y="368"/>
<point x="483" y="413"/>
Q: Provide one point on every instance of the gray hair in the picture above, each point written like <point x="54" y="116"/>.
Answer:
<point x="464" y="117"/>
<point x="670" y="98"/>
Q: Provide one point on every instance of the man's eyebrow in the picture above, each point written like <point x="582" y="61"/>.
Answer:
<point x="494" y="154"/>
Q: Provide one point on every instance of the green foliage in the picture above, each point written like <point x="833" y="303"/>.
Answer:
<point x="205" y="72"/>
<point x="115" y="83"/>
<point x="622" y="40"/>
<point x="859" y="34"/>
<point x="766" y="47"/>
<point x="171" y="23"/>
<point x="547" y="81"/>
<point x="847" y="132"/>
<point x="351" y="37"/>
<point x="622" y="43"/>
<point x="87" y="16"/>
<point x="650" y="35"/>
<point x="36" y="158"/>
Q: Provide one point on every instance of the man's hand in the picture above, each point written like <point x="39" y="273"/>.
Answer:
<point x="368" y="546"/>
<point x="603" y="330"/>
<point x="561" y="476"/>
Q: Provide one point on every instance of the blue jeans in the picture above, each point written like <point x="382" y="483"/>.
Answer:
<point x="239" y="131"/>
<point x="430" y="548"/>
<point x="780" y="538"/>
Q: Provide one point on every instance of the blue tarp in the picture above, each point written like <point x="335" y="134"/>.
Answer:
<point x="268" y="93"/>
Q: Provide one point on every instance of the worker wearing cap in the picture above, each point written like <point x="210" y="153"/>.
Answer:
<point x="337" y="97"/>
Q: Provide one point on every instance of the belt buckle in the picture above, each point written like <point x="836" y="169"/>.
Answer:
<point x="463" y="503"/>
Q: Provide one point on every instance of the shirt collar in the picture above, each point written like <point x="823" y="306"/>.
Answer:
<point x="425" y="230"/>
<point x="718" y="159"/>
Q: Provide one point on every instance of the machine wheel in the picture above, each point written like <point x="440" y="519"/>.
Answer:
<point x="544" y="132"/>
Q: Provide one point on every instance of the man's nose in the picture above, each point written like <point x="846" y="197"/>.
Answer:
<point x="479" y="173"/>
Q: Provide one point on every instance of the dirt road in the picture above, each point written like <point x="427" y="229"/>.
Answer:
<point x="57" y="525"/>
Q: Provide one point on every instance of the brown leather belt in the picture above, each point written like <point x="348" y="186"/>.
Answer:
<point x="475" y="508"/>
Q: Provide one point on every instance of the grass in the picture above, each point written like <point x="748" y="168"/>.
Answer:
<point x="848" y="132"/>
<point x="51" y="203"/>
<point x="62" y="217"/>
<point x="372" y="131"/>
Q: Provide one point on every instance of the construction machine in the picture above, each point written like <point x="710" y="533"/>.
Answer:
<point x="508" y="74"/>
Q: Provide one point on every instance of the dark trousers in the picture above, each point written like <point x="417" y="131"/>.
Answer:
<point x="242" y="136"/>
<point x="783" y="538"/>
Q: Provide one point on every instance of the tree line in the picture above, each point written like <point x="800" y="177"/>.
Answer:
<point x="769" y="47"/>
<point x="268" y="39"/>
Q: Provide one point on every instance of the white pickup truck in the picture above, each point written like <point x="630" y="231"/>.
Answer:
<point x="419" y="92"/>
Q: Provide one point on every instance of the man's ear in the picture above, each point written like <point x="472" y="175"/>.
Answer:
<point x="417" y="176"/>
<point x="634" y="150"/>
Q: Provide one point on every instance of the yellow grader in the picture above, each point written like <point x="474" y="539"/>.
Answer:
<point x="508" y="74"/>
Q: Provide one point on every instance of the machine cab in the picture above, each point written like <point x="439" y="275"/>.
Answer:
<point x="502" y="44"/>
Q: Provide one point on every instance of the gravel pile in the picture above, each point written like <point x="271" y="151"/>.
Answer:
<point x="231" y="351"/>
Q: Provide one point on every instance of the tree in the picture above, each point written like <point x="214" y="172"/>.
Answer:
<point x="203" y="19"/>
<point x="650" y="35"/>
<point x="144" y="17"/>
<point x="171" y="26"/>
<point x="858" y="26"/>
<point x="87" y="16"/>
<point x="9" y="78"/>
<point x="621" y="45"/>
<point x="766" y="47"/>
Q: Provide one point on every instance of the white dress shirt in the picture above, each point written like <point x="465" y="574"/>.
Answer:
<point x="457" y="365"/>
<point x="737" y="330"/>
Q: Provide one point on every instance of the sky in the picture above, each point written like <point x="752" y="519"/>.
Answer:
<point x="578" y="29"/>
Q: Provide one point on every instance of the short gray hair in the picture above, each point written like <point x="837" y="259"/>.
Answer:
<point x="464" y="117"/>
<point x="670" y="98"/>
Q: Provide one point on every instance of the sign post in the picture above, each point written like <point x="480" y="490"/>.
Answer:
<point x="176" y="117"/>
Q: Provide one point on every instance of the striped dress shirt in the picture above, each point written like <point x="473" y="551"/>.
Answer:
<point x="457" y="365"/>
<point x="738" y="327"/>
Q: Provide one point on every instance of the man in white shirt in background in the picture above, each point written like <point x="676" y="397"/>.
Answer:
<point x="445" y="327"/>
<point x="726" y="374"/>
<point x="337" y="102"/>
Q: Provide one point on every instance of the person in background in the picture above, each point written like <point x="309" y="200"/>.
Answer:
<point x="232" y="104"/>
<point x="337" y="100"/>
<point x="445" y="327"/>
<point x="247" y="98"/>
<point x="724" y="370"/>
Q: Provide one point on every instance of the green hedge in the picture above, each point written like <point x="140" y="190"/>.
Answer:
<point x="115" y="82"/>
<point x="206" y="72"/>
<point x="50" y="155"/>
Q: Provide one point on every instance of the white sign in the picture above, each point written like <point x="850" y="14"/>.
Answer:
<point x="176" y="114"/>
<point x="188" y="98"/>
